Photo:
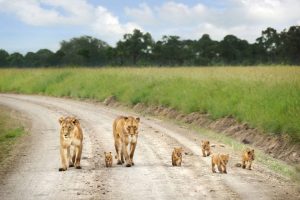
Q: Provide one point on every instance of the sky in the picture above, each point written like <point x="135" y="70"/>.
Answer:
<point x="30" y="25"/>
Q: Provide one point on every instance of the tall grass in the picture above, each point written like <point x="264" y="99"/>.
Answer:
<point x="265" y="97"/>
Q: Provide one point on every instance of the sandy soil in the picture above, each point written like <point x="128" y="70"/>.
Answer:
<point x="34" y="173"/>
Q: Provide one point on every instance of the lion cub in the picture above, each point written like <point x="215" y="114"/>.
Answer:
<point x="221" y="161"/>
<point x="247" y="158"/>
<point x="177" y="156"/>
<point x="205" y="145"/>
<point x="108" y="159"/>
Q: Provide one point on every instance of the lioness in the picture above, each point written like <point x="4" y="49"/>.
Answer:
<point x="125" y="131"/>
<point x="205" y="146"/>
<point x="177" y="156"/>
<point x="221" y="161"/>
<point x="108" y="159"/>
<point x="70" y="135"/>
<point x="247" y="159"/>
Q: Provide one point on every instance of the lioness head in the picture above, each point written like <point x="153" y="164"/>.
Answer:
<point x="178" y="151"/>
<point x="250" y="154"/>
<point x="131" y="125"/>
<point x="67" y="125"/>
<point x="224" y="158"/>
<point x="205" y="144"/>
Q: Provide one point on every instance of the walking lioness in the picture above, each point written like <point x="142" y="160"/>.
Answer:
<point x="125" y="131"/>
<point x="70" y="135"/>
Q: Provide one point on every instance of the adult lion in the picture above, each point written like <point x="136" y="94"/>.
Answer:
<point x="70" y="135"/>
<point x="125" y="131"/>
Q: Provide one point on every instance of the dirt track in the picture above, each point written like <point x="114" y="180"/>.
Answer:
<point x="34" y="174"/>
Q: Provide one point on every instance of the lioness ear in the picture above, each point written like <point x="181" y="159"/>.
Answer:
<point x="125" y="118"/>
<point x="137" y="119"/>
<point x="75" y="121"/>
<point x="109" y="152"/>
<point x="104" y="152"/>
<point x="60" y="120"/>
<point x="207" y="142"/>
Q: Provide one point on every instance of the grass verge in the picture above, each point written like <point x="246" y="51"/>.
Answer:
<point x="10" y="130"/>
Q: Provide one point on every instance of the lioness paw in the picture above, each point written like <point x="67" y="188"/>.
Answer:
<point x="62" y="169"/>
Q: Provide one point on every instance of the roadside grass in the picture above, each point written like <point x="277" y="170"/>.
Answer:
<point x="10" y="130"/>
<point x="267" y="98"/>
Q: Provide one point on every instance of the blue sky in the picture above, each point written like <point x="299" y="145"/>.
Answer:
<point x="29" y="25"/>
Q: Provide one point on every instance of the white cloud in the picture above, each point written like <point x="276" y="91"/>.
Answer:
<point x="46" y="13"/>
<point x="143" y="14"/>
<point x="244" y="18"/>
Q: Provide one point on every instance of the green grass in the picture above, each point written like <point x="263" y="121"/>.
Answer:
<point x="265" y="97"/>
<point x="10" y="130"/>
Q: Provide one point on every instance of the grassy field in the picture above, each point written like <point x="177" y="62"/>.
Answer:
<point x="266" y="97"/>
<point x="10" y="130"/>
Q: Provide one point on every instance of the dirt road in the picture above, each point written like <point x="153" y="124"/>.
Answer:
<point x="35" y="175"/>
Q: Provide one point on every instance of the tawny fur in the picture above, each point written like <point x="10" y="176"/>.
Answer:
<point x="205" y="147"/>
<point x="248" y="156"/>
<point x="125" y="131"/>
<point x="70" y="135"/>
<point x="177" y="156"/>
<point x="108" y="159"/>
<point x="219" y="160"/>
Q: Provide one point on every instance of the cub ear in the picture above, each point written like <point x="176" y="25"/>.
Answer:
<point x="125" y="118"/>
<point x="207" y="142"/>
<point x="137" y="119"/>
<point x="109" y="152"/>
<point x="104" y="152"/>
<point x="60" y="120"/>
<point x="252" y="150"/>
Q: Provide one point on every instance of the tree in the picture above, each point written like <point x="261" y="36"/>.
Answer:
<point x="290" y="45"/>
<point x="206" y="51"/>
<point x="169" y="50"/>
<point x="43" y="57"/>
<point x="16" y="60"/>
<point x="270" y="41"/>
<point x="3" y="58"/>
<point x="137" y="46"/>
<point x="234" y="50"/>
<point x="84" y="50"/>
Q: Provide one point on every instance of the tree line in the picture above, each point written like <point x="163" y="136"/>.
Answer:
<point x="140" y="49"/>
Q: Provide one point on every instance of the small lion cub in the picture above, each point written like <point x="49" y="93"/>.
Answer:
<point x="205" y="145"/>
<point x="221" y="161"/>
<point x="108" y="159"/>
<point x="247" y="158"/>
<point x="177" y="156"/>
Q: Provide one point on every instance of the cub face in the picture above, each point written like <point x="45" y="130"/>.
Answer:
<point x="250" y="154"/>
<point x="205" y="144"/>
<point x="131" y="125"/>
<point x="224" y="158"/>
<point x="178" y="152"/>
<point x="67" y="125"/>
<point x="108" y="159"/>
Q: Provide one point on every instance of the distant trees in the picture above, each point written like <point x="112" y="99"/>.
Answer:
<point x="3" y="58"/>
<point x="138" y="48"/>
